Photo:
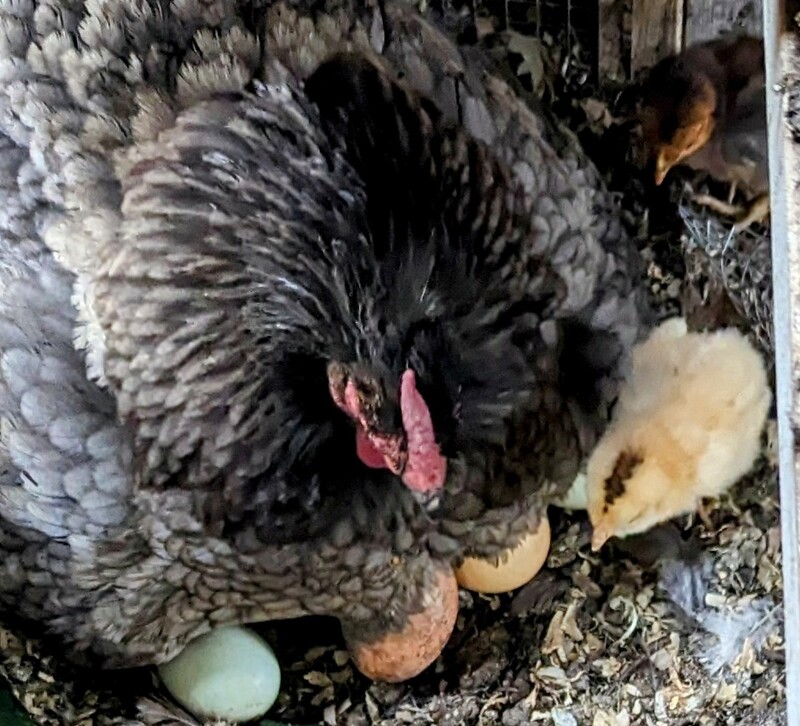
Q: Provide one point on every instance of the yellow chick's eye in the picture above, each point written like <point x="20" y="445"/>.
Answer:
<point x="638" y="517"/>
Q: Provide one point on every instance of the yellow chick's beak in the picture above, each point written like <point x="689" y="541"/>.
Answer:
<point x="662" y="168"/>
<point x="600" y="535"/>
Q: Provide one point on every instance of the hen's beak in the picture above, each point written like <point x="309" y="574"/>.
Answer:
<point x="600" y="535"/>
<point x="430" y="501"/>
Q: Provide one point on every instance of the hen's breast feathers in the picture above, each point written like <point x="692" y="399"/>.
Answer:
<point x="58" y="431"/>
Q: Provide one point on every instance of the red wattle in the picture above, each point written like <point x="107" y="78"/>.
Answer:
<point x="368" y="454"/>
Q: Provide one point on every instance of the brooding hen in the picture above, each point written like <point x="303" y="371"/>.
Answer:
<point x="278" y="337"/>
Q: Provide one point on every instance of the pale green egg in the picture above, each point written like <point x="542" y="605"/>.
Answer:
<point x="576" y="496"/>
<point x="229" y="673"/>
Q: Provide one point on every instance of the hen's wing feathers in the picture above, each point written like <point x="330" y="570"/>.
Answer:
<point x="59" y="433"/>
<point x="64" y="462"/>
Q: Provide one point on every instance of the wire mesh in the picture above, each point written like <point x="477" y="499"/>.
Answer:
<point x="571" y="24"/>
<point x="741" y="262"/>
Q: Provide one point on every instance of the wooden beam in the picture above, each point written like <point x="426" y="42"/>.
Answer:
<point x="662" y="27"/>
<point x="611" y="60"/>
<point x="656" y="32"/>
<point x="707" y="19"/>
<point x="782" y="56"/>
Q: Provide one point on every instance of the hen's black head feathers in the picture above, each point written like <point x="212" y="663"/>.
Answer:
<point x="266" y="237"/>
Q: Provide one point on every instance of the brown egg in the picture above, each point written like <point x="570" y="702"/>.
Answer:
<point x="400" y="656"/>
<point x="519" y="565"/>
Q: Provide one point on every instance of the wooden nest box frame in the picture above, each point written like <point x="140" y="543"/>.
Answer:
<point x="782" y="46"/>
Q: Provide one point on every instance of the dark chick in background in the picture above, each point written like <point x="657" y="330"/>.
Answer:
<point x="705" y="108"/>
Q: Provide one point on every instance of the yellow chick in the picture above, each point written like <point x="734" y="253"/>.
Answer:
<point x="687" y="425"/>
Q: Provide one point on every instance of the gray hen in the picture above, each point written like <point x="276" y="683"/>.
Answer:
<point x="273" y="347"/>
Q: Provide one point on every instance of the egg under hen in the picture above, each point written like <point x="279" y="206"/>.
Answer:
<point x="687" y="426"/>
<point x="281" y="332"/>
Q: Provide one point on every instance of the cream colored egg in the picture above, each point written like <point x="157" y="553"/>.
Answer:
<point x="519" y="566"/>
<point x="229" y="673"/>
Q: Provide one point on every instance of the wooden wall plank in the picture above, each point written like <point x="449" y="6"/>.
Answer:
<point x="657" y="27"/>
<point x="706" y="19"/>
<point x="612" y="62"/>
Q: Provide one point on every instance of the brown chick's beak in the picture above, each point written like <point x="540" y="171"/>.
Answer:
<point x="398" y="656"/>
<point x="662" y="169"/>
<point x="600" y="536"/>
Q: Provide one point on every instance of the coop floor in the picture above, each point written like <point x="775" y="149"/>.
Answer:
<point x="693" y="638"/>
<point x="604" y="640"/>
<point x="595" y="640"/>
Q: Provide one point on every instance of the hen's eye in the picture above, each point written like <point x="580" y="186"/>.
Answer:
<point x="457" y="408"/>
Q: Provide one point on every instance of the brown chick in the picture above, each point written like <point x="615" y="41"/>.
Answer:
<point x="687" y="425"/>
<point x="706" y="108"/>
